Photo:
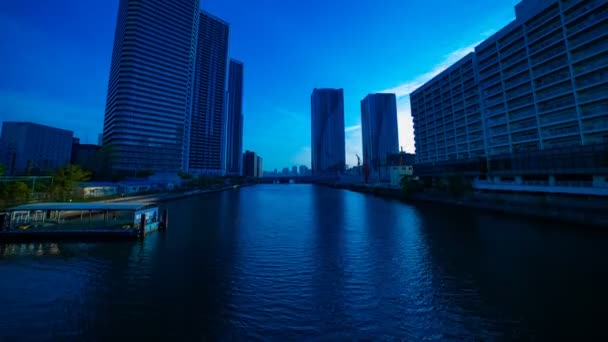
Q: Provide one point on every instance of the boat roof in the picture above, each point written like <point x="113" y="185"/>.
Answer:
<point x="84" y="206"/>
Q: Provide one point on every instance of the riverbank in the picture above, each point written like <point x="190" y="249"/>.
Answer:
<point x="584" y="211"/>
<point x="171" y="196"/>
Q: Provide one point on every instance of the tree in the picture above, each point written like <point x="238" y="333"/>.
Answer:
<point x="66" y="178"/>
<point x="410" y="186"/>
<point x="2" y="170"/>
<point x="18" y="192"/>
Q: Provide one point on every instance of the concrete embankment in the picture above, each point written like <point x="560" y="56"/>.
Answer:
<point x="171" y="196"/>
<point x="565" y="209"/>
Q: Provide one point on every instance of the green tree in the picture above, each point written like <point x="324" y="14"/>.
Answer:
<point x="66" y="179"/>
<point x="410" y="186"/>
<point x="18" y="192"/>
<point x="2" y="170"/>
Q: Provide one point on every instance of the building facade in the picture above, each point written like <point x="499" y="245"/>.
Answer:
<point x="259" y="167"/>
<point x="207" y="153"/>
<point x="30" y="148"/>
<point x="327" y="126"/>
<point x="85" y="155"/>
<point x="379" y="131"/>
<point x="529" y="107"/>
<point x="250" y="164"/>
<point x="234" y="148"/>
<point x="149" y="93"/>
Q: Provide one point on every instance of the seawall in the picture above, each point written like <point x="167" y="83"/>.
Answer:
<point x="591" y="212"/>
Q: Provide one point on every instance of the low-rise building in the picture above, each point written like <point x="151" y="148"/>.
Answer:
<point x="30" y="148"/>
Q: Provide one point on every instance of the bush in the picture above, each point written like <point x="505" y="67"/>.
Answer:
<point x="410" y="186"/>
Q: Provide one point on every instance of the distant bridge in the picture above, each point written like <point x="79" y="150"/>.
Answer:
<point x="298" y="179"/>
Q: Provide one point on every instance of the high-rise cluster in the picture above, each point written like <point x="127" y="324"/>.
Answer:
<point x="378" y="127"/>
<point x="529" y="107"/>
<point x="166" y="107"/>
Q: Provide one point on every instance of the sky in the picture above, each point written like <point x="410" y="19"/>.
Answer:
<point x="55" y="58"/>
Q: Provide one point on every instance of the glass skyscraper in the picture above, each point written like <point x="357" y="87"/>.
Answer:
<point x="149" y="92"/>
<point x="327" y="128"/>
<point x="207" y="154"/>
<point x="235" y="118"/>
<point x="379" y="129"/>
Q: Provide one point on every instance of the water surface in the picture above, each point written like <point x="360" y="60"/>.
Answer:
<point x="299" y="262"/>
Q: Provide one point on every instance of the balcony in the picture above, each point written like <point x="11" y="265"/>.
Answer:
<point x="522" y="113"/>
<point x="565" y="129"/>
<point x="529" y="135"/>
<point x="552" y="78"/>
<point x="520" y="102"/>
<point x="595" y="109"/>
<point x="593" y="94"/>
<point x="547" y="55"/>
<point x="549" y="67"/>
<point x="513" y="48"/>
<point x="495" y="110"/>
<point x="591" y="65"/>
<point x="488" y="62"/>
<point x="596" y="124"/>
<point x="574" y="140"/>
<point x="555" y="104"/>
<point x="592" y="79"/>
<point x="523" y="125"/>
<point x="489" y="72"/>
<point x="494" y="100"/>
<point x="511" y="60"/>
<point x="493" y="90"/>
<point x="523" y="89"/>
<point x="542" y="18"/>
<point x="517" y="81"/>
<point x="499" y="140"/>
<point x="590" y="50"/>
<point x="545" y="30"/>
<point x="498" y="120"/>
<point x="511" y="37"/>
<point x="515" y="70"/>
<point x="546" y="43"/>
<point x="556" y="117"/>
<point x="554" y="91"/>
<point x="588" y="36"/>
<point x="498" y="130"/>
<point x="587" y="21"/>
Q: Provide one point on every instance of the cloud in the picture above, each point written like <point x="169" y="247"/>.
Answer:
<point x="402" y="91"/>
<point x="352" y="128"/>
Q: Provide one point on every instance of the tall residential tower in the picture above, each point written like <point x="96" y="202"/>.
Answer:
<point x="149" y="92"/>
<point x="379" y="129"/>
<point x="208" y="127"/>
<point x="327" y="126"/>
<point x="235" y="118"/>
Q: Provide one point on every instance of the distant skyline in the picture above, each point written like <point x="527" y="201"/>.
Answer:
<point x="56" y="60"/>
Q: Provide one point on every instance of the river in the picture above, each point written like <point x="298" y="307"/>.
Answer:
<point x="301" y="262"/>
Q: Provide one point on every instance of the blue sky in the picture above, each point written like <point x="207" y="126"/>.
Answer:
<point x="55" y="59"/>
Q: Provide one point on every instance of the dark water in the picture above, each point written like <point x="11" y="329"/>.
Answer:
<point x="297" y="262"/>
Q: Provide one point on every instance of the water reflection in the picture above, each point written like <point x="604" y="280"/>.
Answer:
<point x="285" y="262"/>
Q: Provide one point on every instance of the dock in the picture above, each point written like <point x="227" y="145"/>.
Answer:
<point x="81" y="221"/>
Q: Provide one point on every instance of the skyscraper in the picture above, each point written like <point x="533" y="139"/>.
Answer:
<point x="235" y="118"/>
<point x="327" y="126"/>
<point x="208" y="126"/>
<point x="149" y="91"/>
<point x="379" y="129"/>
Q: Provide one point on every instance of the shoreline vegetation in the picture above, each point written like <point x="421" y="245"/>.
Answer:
<point x="63" y="186"/>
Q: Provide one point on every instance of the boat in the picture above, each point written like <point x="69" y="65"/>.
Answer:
<point x="96" y="220"/>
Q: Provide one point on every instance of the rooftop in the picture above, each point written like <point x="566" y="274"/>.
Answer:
<point x="83" y="206"/>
